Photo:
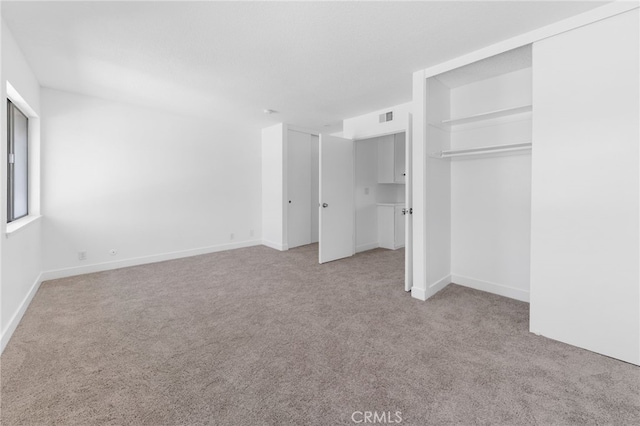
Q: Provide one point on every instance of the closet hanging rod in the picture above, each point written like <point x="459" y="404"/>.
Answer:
<point x="483" y="150"/>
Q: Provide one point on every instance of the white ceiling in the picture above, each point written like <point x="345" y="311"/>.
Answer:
<point x="314" y="62"/>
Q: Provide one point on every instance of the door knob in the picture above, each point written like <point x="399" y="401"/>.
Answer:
<point x="325" y="205"/>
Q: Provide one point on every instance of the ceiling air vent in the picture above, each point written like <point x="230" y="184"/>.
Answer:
<point x="386" y="116"/>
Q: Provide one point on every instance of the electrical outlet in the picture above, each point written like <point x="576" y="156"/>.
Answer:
<point x="366" y="191"/>
<point x="113" y="252"/>
<point x="251" y="232"/>
<point x="82" y="255"/>
<point x="232" y="236"/>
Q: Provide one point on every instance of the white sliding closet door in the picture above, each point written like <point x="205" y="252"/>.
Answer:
<point x="336" y="198"/>
<point x="585" y="188"/>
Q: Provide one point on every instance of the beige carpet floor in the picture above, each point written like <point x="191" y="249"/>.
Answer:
<point x="259" y="337"/>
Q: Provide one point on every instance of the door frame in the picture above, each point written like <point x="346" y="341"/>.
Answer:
<point x="285" y="178"/>
<point x="354" y="174"/>
<point x="287" y="198"/>
<point x="407" y="130"/>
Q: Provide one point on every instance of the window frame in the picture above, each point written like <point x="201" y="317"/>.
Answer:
<point x="11" y="109"/>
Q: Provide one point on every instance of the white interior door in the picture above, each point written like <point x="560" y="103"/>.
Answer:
<point x="336" y="199"/>
<point x="315" y="187"/>
<point x="298" y="189"/>
<point x="408" y="228"/>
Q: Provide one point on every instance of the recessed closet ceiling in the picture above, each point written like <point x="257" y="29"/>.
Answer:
<point x="314" y="62"/>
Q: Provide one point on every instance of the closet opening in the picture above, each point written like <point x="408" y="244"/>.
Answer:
<point x="478" y="147"/>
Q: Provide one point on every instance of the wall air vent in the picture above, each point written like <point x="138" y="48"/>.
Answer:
<point x="386" y="116"/>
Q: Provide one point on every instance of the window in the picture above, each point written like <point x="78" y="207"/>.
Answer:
<point x="17" y="167"/>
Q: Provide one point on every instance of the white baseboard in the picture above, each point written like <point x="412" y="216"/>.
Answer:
<point x="439" y="285"/>
<point x="418" y="293"/>
<point x="15" y="320"/>
<point x="425" y="293"/>
<point x="365" y="247"/>
<point x="106" y="266"/>
<point x="281" y="247"/>
<point x="489" y="287"/>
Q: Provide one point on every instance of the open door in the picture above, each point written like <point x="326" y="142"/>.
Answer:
<point x="408" y="217"/>
<point x="336" y="218"/>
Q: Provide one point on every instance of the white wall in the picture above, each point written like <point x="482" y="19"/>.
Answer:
<point x="20" y="253"/>
<point x="150" y="184"/>
<point x="491" y="195"/>
<point x="437" y="194"/>
<point x="585" y="246"/>
<point x="368" y="125"/>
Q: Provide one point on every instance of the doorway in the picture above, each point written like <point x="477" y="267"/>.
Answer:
<point x="302" y="188"/>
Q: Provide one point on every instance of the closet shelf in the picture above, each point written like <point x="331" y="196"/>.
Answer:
<point x="482" y="150"/>
<point x="487" y="115"/>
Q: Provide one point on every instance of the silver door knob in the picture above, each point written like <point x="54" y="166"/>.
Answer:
<point x="325" y="205"/>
